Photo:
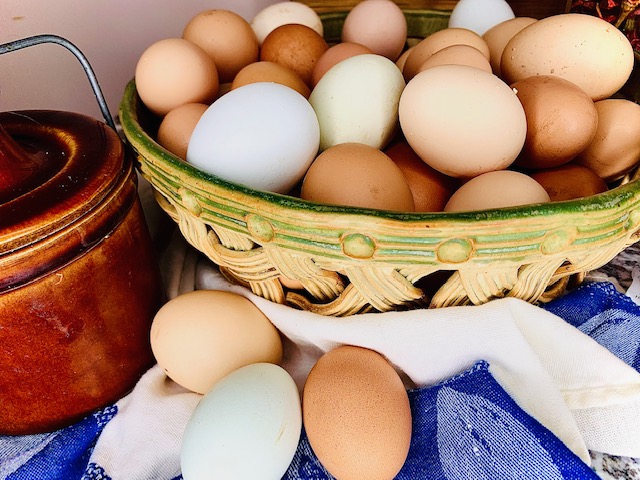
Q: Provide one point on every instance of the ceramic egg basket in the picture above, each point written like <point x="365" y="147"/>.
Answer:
<point x="79" y="283"/>
<point x="345" y="260"/>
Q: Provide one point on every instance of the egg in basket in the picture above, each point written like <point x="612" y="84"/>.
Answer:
<point x="335" y="259"/>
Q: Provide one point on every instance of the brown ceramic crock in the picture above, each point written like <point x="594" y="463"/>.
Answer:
<point x="79" y="282"/>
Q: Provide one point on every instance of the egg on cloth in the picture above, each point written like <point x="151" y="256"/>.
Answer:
<point x="461" y="120"/>
<point x="199" y="337"/>
<point x="262" y="135"/>
<point x="357" y="101"/>
<point x="356" y="414"/>
<point x="577" y="47"/>
<point x="246" y="427"/>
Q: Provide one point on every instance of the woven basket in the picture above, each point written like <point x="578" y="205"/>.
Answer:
<point x="347" y="260"/>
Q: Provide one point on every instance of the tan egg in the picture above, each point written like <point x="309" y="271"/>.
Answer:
<point x="615" y="148"/>
<point x="201" y="336"/>
<point x="461" y="120"/>
<point x="402" y="59"/>
<point x="334" y="55"/>
<point x="270" y="72"/>
<point x="581" y="48"/>
<point x="379" y="25"/>
<point x="568" y="182"/>
<point x="504" y="188"/>
<point x="294" y="46"/>
<point x="499" y="35"/>
<point x="437" y="41"/>
<point x="357" y="175"/>
<point x="356" y="414"/>
<point x="177" y="126"/>
<point x="431" y="189"/>
<point x="457" y="55"/>
<point x="172" y="72"/>
<point x="226" y="37"/>
<point x="280" y="13"/>
<point x="561" y="120"/>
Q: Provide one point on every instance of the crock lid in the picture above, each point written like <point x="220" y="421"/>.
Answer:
<point x="72" y="163"/>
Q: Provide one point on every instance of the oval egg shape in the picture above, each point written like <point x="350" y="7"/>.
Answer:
<point x="263" y="135"/>
<point x="574" y="46"/>
<point x="356" y="414"/>
<point x="357" y="101"/>
<point x="247" y="426"/>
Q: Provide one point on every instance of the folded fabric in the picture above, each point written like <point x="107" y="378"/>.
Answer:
<point x="468" y="427"/>
<point x="557" y="390"/>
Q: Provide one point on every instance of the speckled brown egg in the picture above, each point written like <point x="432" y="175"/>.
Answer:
<point x="295" y="46"/>
<point x="356" y="414"/>
<point x="357" y="175"/>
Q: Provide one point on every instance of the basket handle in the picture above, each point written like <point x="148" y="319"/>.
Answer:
<point x="40" y="39"/>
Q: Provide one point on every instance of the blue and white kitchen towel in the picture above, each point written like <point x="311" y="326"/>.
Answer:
<point x="502" y="390"/>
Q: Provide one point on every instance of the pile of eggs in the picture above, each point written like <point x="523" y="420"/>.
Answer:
<point x="249" y="421"/>
<point x="520" y="111"/>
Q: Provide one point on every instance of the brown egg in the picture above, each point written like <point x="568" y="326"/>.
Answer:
<point x="402" y="59"/>
<point x="177" y="126"/>
<point x="502" y="188"/>
<point x="431" y="189"/>
<point x="569" y="181"/>
<point x="356" y="413"/>
<point x="457" y="55"/>
<point x="270" y="72"/>
<point x="499" y="35"/>
<point x="172" y="72"/>
<point x="615" y="148"/>
<point x="561" y="120"/>
<point x="294" y="46"/>
<point x="334" y="55"/>
<point x="226" y="37"/>
<point x="357" y="175"/>
<point x="437" y="41"/>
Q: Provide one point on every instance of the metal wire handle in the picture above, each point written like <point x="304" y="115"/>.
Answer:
<point x="39" y="39"/>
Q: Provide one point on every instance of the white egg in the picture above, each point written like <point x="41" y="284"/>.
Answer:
<point x="262" y="135"/>
<point x="357" y="101"/>
<point x="246" y="427"/>
<point x="282" y="13"/>
<point x="480" y="15"/>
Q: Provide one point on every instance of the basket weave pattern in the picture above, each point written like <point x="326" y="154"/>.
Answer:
<point x="353" y="260"/>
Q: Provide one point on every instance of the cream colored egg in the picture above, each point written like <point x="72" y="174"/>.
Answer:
<point x="357" y="101"/>
<point x="462" y="121"/>
<point x="504" y="188"/>
<point x="199" y="337"/>
<point x="283" y="13"/>
<point x="583" y="49"/>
